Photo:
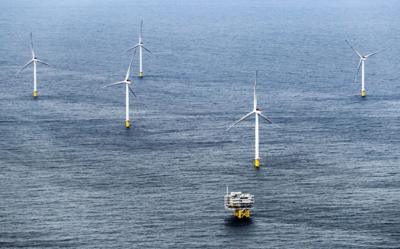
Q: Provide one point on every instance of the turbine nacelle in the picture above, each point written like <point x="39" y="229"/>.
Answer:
<point x="365" y="56"/>
<point x="141" y="45"/>
<point x="127" y="79"/>
<point x="127" y="82"/>
<point x="34" y="58"/>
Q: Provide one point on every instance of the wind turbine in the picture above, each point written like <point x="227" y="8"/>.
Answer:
<point x="141" y="47"/>
<point x="361" y="64"/>
<point x="257" y="113"/>
<point x="33" y="61"/>
<point x="128" y="89"/>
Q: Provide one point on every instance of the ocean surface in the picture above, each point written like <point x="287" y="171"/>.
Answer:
<point x="71" y="175"/>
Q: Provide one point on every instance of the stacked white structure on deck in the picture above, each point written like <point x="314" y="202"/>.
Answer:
<point x="240" y="203"/>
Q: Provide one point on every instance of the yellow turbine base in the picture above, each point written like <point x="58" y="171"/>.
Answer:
<point x="35" y="94"/>
<point x="127" y="124"/>
<point x="257" y="163"/>
<point x="141" y="74"/>
<point x="242" y="213"/>
<point x="363" y="93"/>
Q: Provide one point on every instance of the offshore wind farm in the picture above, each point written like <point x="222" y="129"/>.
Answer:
<point x="74" y="175"/>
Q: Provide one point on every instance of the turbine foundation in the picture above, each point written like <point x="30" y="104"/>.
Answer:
<point x="257" y="163"/>
<point x="141" y="74"/>
<point x="363" y="93"/>
<point x="35" y="94"/>
<point x="127" y="124"/>
<point x="242" y="213"/>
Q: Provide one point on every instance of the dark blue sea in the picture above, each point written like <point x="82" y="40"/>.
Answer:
<point x="72" y="176"/>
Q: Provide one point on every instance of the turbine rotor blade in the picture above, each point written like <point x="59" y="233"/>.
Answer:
<point x="131" y="90"/>
<point x="265" y="117"/>
<point x="255" y="96"/>
<point x="32" y="50"/>
<point x="128" y="73"/>
<point x="147" y="49"/>
<point x="141" y="29"/>
<point x="355" y="51"/>
<point x="133" y="47"/>
<point x="240" y="120"/>
<point x="255" y="81"/>
<point x="116" y="83"/>
<point x="44" y="63"/>
<point x="134" y="52"/>
<point x="372" y="54"/>
<point x="358" y="70"/>
<point x="25" y="66"/>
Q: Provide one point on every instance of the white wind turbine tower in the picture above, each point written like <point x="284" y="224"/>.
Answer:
<point x="361" y="64"/>
<point x="33" y="61"/>
<point x="141" y="47"/>
<point x="257" y="113"/>
<point x="128" y="89"/>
